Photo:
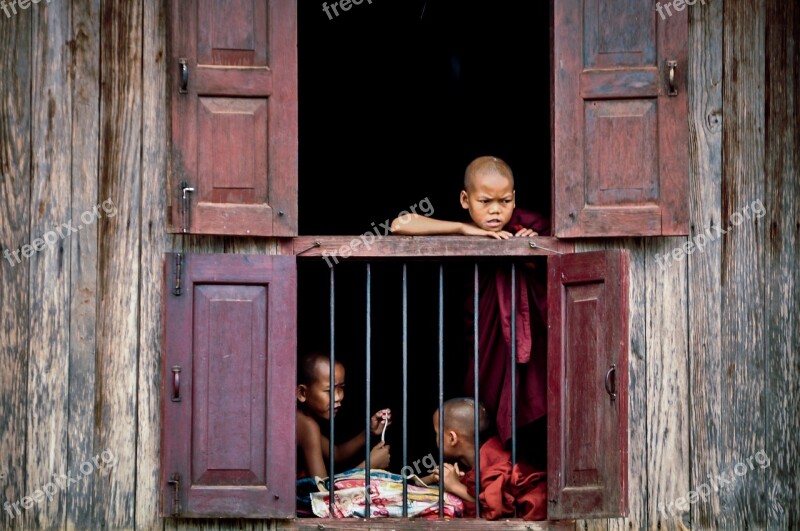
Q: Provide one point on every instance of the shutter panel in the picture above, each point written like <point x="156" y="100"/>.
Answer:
<point x="587" y="429"/>
<point x="234" y="130"/>
<point x="621" y="149"/>
<point x="228" y="387"/>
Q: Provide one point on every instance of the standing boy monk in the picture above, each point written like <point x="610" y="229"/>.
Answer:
<point x="504" y="487"/>
<point x="313" y="397"/>
<point x="489" y="197"/>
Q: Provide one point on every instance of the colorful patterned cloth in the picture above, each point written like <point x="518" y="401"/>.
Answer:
<point x="385" y="494"/>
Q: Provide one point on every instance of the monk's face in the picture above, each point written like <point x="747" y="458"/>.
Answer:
<point x="317" y="395"/>
<point x="490" y="200"/>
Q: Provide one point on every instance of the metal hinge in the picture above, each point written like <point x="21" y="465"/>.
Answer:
<point x="175" y="481"/>
<point x="178" y="267"/>
<point x="185" y="189"/>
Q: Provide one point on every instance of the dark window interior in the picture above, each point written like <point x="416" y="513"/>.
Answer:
<point x="396" y="97"/>
<point x="387" y="347"/>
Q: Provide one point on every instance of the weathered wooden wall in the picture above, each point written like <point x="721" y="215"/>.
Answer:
<point x="715" y="338"/>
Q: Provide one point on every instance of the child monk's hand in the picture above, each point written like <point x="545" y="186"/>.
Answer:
<point x="525" y="233"/>
<point x="379" y="456"/>
<point x="468" y="229"/>
<point x="452" y="477"/>
<point x="378" y="419"/>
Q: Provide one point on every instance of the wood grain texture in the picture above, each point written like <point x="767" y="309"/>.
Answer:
<point x="119" y="254"/>
<point x="704" y="309"/>
<point x="154" y="242"/>
<point x="340" y="248"/>
<point x="743" y="366"/>
<point x="667" y="384"/>
<point x="782" y="251"/>
<point x="83" y="255"/>
<point x="638" y="479"/>
<point x="16" y="64"/>
<point x="48" y="361"/>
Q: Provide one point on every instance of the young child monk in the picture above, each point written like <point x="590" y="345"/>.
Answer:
<point x="490" y="199"/>
<point x="313" y="406"/>
<point x="503" y="488"/>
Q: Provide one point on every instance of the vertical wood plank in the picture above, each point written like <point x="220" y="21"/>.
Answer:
<point x="15" y="177"/>
<point x="782" y="298"/>
<point x="119" y="259"/>
<point x="667" y="384"/>
<point x="83" y="252"/>
<point x="48" y="362"/>
<point x="744" y="361"/>
<point x="638" y="453"/>
<point x="155" y="242"/>
<point x="705" y="347"/>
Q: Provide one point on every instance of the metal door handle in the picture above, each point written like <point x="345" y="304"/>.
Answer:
<point x="611" y="392"/>
<point x="672" y="66"/>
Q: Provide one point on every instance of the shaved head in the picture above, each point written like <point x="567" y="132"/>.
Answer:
<point x="459" y="416"/>
<point x="483" y="167"/>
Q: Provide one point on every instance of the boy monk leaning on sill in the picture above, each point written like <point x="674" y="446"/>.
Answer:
<point x="504" y="488"/>
<point x="489" y="197"/>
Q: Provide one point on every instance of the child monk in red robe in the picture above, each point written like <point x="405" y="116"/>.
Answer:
<point x="504" y="488"/>
<point x="489" y="197"/>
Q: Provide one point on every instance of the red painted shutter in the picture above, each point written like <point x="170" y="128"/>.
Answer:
<point x="234" y="130"/>
<point x="588" y="429"/>
<point x="228" y="387"/>
<point x="621" y="149"/>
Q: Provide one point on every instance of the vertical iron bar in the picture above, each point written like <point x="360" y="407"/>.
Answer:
<point x="513" y="364"/>
<point x="368" y="370"/>
<point x="405" y="388"/>
<point x="476" y="408"/>
<point x="331" y="446"/>
<point x="514" y="368"/>
<point x="441" y="389"/>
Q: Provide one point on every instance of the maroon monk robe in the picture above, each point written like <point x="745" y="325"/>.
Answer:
<point x="505" y="488"/>
<point x="494" y="321"/>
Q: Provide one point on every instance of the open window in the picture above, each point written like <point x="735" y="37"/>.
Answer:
<point x="282" y="119"/>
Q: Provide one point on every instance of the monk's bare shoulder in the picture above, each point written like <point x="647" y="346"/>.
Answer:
<point x="307" y="430"/>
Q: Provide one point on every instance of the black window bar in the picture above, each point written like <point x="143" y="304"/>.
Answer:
<point x="368" y="396"/>
<point x="331" y="447"/>
<point x="368" y="367"/>
<point x="441" y="389"/>
<point x="405" y="389"/>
